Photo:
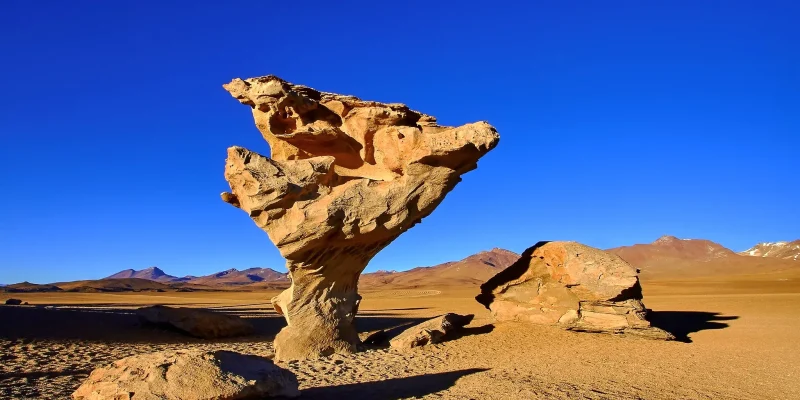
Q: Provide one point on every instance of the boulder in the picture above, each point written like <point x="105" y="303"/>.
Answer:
<point x="573" y="286"/>
<point x="196" y="322"/>
<point x="13" y="302"/>
<point x="189" y="375"/>
<point x="430" y="332"/>
<point x="344" y="179"/>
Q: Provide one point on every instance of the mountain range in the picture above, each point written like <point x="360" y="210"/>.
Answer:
<point x="668" y="257"/>
<point x="228" y="277"/>
<point x="473" y="270"/>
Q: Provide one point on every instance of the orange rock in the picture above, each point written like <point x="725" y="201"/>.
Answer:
<point x="571" y="285"/>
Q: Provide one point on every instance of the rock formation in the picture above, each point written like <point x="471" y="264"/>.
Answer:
<point x="345" y="178"/>
<point x="430" y="332"/>
<point x="571" y="285"/>
<point x="196" y="322"/>
<point x="13" y="302"/>
<point x="189" y="375"/>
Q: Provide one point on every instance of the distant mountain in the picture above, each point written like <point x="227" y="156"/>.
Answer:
<point x="669" y="248"/>
<point x="27" y="287"/>
<point x="228" y="277"/>
<point x="782" y="250"/>
<point x="673" y="258"/>
<point x="235" y="277"/>
<point x="471" y="271"/>
<point x="150" y="274"/>
<point x="119" y="285"/>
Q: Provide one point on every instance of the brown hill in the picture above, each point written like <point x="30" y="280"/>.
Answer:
<point x="27" y="287"/>
<point x="670" y="248"/>
<point x="782" y="250"/>
<point x="472" y="271"/>
<point x="248" y="276"/>
<point x="123" y="285"/>
<point x="672" y="258"/>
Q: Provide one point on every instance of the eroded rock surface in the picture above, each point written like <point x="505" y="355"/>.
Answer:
<point x="345" y="178"/>
<point x="196" y="322"/>
<point x="189" y="375"/>
<point x="430" y="332"/>
<point x="571" y="285"/>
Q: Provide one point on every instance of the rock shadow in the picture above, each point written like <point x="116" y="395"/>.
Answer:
<point x="469" y="331"/>
<point x="107" y="324"/>
<point x="682" y="323"/>
<point x="391" y="389"/>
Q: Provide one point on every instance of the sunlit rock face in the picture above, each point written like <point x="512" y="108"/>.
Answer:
<point x="573" y="286"/>
<point x="345" y="177"/>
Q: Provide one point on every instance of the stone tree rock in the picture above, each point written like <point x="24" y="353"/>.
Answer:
<point x="189" y="375"/>
<point x="345" y="178"/>
<point x="571" y="285"/>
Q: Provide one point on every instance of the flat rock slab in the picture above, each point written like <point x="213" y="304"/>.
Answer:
<point x="189" y="375"/>
<point x="196" y="322"/>
<point x="430" y="332"/>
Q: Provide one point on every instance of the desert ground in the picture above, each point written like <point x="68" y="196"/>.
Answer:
<point x="738" y="338"/>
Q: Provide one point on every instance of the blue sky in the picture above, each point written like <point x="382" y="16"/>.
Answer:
<point x="619" y="121"/>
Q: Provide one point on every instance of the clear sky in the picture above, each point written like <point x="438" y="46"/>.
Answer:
<point x="620" y="121"/>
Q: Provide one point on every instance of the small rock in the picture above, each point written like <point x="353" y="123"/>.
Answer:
<point x="189" y="375"/>
<point x="430" y="332"/>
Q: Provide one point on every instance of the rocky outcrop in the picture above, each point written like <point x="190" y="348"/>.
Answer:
<point x="189" y="375"/>
<point x="196" y="322"/>
<point x="430" y="332"/>
<point x="571" y="285"/>
<point x="13" y="302"/>
<point x="344" y="179"/>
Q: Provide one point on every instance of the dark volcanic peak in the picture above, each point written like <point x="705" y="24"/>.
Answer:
<point x="151" y="274"/>
<point x="226" y="272"/>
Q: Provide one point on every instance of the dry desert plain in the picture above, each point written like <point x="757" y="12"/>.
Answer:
<point x="739" y="338"/>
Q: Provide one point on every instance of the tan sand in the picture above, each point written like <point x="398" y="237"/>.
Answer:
<point x="740" y="341"/>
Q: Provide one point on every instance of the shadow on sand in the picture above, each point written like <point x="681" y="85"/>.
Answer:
<point x="119" y="323"/>
<point x="682" y="323"/>
<point x="392" y="389"/>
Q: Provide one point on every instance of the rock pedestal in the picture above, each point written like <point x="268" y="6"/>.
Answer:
<point x="345" y="178"/>
<point x="573" y="286"/>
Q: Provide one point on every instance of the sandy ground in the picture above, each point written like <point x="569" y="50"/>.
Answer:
<point x="737" y="341"/>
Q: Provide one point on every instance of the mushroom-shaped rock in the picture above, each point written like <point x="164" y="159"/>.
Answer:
<point x="571" y="285"/>
<point x="189" y="375"/>
<point x="430" y="332"/>
<point x="345" y="178"/>
<point x="196" y="322"/>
